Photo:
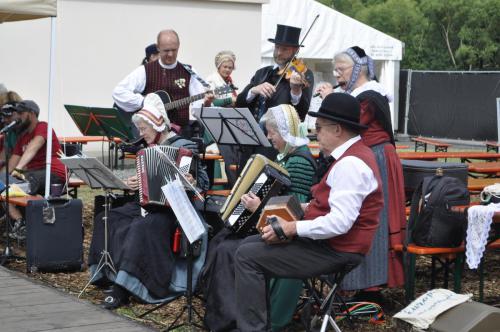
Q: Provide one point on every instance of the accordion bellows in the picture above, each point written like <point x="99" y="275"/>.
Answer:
<point x="286" y="207"/>
<point x="155" y="171"/>
<point x="265" y="179"/>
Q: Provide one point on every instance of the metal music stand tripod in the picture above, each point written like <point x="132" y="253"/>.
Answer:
<point x="97" y="176"/>
<point x="7" y="253"/>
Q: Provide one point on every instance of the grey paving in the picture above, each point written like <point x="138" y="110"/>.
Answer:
<point x="28" y="306"/>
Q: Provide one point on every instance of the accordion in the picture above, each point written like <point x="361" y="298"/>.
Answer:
<point x="265" y="179"/>
<point x="286" y="207"/>
<point x="155" y="168"/>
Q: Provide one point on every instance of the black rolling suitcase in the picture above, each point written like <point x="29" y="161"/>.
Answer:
<point x="414" y="171"/>
<point x="54" y="235"/>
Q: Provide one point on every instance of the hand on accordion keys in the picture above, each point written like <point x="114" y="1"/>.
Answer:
<point x="278" y="230"/>
<point x="250" y="201"/>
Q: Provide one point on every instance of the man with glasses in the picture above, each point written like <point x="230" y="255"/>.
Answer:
<point x="165" y="74"/>
<point x="338" y="225"/>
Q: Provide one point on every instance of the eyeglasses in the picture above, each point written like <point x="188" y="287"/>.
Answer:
<point x="318" y="127"/>
<point x="340" y="70"/>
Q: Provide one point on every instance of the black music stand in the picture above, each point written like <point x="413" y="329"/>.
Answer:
<point x="233" y="126"/>
<point x="99" y="121"/>
<point x="97" y="176"/>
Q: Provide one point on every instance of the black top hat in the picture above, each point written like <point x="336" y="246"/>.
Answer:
<point x="340" y="107"/>
<point x="286" y="35"/>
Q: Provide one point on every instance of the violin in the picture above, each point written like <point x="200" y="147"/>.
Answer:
<point x="298" y="66"/>
<point x="295" y="63"/>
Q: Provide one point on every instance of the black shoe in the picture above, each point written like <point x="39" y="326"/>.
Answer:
<point x="111" y="302"/>
<point x="118" y="297"/>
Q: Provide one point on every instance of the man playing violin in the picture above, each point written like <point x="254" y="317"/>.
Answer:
<point x="166" y="74"/>
<point x="264" y="91"/>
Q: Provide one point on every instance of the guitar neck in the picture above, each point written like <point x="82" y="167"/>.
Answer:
<point x="184" y="101"/>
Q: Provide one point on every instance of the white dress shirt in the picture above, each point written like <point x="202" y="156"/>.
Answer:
<point x="350" y="180"/>
<point x="127" y="94"/>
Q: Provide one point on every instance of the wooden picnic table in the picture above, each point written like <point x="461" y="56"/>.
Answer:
<point x="423" y="142"/>
<point x="22" y="200"/>
<point x="87" y="139"/>
<point x="462" y="155"/>
<point x="492" y="146"/>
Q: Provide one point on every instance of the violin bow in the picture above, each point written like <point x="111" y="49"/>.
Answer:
<point x="297" y="52"/>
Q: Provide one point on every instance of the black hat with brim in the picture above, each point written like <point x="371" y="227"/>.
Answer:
<point x="342" y="108"/>
<point x="286" y="35"/>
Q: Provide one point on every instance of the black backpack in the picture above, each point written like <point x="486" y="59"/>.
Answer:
<point x="431" y="222"/>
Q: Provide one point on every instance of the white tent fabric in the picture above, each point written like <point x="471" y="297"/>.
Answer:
<point x="18" y="10"/>
<point x="332" y="33"/>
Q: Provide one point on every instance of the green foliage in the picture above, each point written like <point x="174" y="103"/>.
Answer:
<point x="438" y="34"/>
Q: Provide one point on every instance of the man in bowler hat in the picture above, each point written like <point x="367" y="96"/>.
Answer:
<point x="338" y="225"/>
<point x="261" y="93"/>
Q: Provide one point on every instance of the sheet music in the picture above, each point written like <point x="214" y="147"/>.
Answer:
<point x="183" y="209"/>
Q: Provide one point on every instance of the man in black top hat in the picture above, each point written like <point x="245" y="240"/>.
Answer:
<point x="261" y="93"/>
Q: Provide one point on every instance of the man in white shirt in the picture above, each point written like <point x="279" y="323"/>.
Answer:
<point x="167" y="74"/>
<point x="339" y="222"/>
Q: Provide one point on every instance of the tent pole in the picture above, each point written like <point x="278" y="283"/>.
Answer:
<point x="49" y="116"/>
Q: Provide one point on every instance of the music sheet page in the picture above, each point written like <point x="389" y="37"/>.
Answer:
<point x="183" y="209"/>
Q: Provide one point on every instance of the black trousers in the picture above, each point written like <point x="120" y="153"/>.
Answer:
<point x="257" y="262"/>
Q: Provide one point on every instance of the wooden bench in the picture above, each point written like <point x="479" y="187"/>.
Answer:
<point x="462" y="155"/>
<point x="73" y="186"/>
<point x="489" y="169"/>
<point x="477" y="185"/>
<point x="422" y="142"/>
<point x="492" y="146"/>
<point x="445" y="256"/>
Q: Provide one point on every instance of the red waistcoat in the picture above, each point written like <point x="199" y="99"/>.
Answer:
<point x="359" y="238"/>
<point x="175" y="82"/>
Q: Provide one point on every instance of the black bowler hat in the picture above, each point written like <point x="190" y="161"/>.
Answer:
<point x="286" y="35"/>
<point x="340" y="107"/>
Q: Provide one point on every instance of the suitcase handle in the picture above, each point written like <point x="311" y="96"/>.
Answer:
<point x="58" y="201"/>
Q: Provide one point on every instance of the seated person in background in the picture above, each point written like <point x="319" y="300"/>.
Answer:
<point x="28" y="158"/>
<point x="152" y="54"/>
<point x="288" y="137"/>
<point x="338" y="226"/>
<point x="7" y="101"/>
<point x="140" y="246"/>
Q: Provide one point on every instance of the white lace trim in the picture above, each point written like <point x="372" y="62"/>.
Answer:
<point x="479" y="224"/>
<point x="375" y="86"/>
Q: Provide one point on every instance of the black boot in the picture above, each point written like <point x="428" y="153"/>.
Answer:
<point x="118" y="297"/>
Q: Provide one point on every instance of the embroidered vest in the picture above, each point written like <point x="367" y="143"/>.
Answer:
<point x="359" y="238"/>
<point x="175" y="82"/>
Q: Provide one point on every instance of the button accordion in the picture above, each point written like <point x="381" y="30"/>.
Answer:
<point x="155" y="171"/>
<point x="265" y="179"/>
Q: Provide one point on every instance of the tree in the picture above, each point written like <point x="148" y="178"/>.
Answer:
<point x="438" y="34"/>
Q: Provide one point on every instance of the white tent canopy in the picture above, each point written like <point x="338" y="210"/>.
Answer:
<point x="332" y="33"/>
<point x="19" y="10"/>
